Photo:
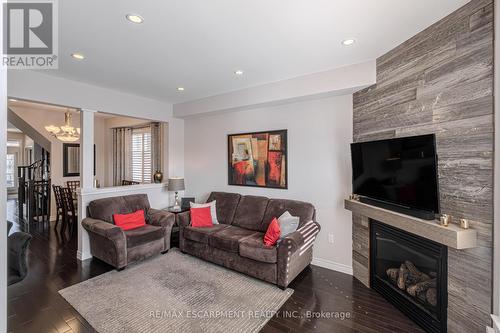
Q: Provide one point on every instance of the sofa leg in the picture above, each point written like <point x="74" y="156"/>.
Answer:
<point x="163" y="252"/>
<point x="120" y="269"/>
<point x="282" y="288"/>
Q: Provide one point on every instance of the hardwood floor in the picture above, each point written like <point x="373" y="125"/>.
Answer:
<point x="34" y="304"/>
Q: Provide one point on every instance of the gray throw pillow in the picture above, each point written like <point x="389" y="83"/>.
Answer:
<point x="288" y="224"/>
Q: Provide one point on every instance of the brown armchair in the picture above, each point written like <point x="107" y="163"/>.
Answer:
<point x="117" y="247"/>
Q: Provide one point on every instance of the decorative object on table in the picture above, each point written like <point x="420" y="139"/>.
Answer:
<point x="354" y="197"/>
<point x="158" y="177"/>
<point x="186" y="201"/>
<point x="464" y="223"/>
<point x="176" y="184"/>
<point x="445" y="220"/>
<point x="66" y="132"/>
<point x="258" y="159"/>
<point x="96" y="183"/>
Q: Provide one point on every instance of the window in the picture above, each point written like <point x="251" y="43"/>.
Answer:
<point x="11" y="170"/>
<point x="141" y="155"/>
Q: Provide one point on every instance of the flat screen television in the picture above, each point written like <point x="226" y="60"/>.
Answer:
<point x="398" y="174"/>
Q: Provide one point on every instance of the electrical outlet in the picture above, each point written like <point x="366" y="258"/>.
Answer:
<point x="330" y="238"/>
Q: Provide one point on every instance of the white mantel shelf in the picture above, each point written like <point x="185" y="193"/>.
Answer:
<point x="452" y="236"/>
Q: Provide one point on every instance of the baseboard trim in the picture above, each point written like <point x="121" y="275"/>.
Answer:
<point x="334" y="266"/>
<point x="82" y="256"/>
<point x="496" y="324"/>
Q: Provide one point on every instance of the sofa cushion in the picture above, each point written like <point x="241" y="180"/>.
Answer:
<point x="103" y="209"/>
<point x="228" y="238"/>
<point x="225" y="205"/>
<point x="201" y="217"/>
<point x="253" y="248"/>
<point x="143" y="235"/>
<point x="276" y="207"/>
<point x="273" y="233"/>
<point x="250" y="212"/>
<point x="130" y="221"/>
<point x="201" y="234"/>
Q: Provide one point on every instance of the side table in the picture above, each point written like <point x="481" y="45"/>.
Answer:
<point x="174" y="237"/>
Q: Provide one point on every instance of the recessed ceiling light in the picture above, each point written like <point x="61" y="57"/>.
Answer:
<point x="180" y="88"/>
<point x="134" y="18"/>
<point x="78" y="56"/>
<point x="238" y="72"/>
<point x="12" y="100"/>
<point x="348" y="42"/>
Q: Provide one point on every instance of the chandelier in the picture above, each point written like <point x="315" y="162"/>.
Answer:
<point x="65" y="133"/>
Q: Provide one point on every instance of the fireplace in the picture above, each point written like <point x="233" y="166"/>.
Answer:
<point x="411" y="273"/>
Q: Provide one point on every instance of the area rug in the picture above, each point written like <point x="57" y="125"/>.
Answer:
<point x="175" y="292"/>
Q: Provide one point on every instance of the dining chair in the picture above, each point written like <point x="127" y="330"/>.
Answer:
<point x="59" y="203"/>
<point x="69" y="211"/>
<point x="73" y="185"/>
<point x="129" y="182"/>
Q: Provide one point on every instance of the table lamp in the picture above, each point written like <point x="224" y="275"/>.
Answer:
<point x="175" y="185"/>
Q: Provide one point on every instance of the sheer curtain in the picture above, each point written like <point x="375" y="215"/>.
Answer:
<point x="156" y="146"/>
<point x="122" y="144"/>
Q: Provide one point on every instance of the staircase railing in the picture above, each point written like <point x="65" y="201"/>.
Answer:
<point x="34" y="192"/>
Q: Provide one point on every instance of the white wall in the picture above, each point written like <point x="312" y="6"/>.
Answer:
<point x="37" y="86"/>
<point x="319" y="134"/>
<point x="335" y="82"/>
<point x="3" y="191"/>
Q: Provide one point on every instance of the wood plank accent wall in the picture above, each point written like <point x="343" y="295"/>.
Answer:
<point x="441" y="81"/>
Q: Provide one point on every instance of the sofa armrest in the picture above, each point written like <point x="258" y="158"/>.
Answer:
<point x="164" y="219"/>
<point x="103" y="228"/>
<point x="295" y="252"/>
<point x="107" y="242"/>
<point x="184" y="219"/>
<point x="161" y="218"/>
<point x="17" y="244"/>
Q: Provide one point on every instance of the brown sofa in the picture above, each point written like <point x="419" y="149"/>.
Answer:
<point x="117" y="247"/>
<point x="237" y="242"/>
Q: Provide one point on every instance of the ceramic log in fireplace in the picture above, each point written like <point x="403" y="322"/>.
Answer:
<point x="411" y="273"/>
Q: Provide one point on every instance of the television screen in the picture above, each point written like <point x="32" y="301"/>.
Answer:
<point x="400" y="171"/>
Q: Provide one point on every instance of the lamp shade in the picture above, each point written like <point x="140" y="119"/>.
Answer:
<point x="176" y="184"/>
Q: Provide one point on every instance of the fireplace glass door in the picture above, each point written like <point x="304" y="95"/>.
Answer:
<point x="411" y="272"/>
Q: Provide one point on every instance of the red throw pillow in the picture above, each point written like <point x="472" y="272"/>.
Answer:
<point x="201" y="217"/>
<point x="273" y="233"/>
<point x="130" y="221"/>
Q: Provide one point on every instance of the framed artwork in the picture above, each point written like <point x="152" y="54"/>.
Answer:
<point x="71" y="160"/>
<point x="258" y="159"/>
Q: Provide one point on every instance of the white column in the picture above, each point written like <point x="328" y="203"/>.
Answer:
<point x="86" y="177"/>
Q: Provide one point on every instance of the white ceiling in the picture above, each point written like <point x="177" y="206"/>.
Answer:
<point x="199" y="44"/>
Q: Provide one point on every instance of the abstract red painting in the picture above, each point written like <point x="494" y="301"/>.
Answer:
<point x="258" y="159"/>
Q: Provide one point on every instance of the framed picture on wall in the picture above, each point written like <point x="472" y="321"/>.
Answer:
<point x="258" y="159"/>
<point x="71" y="160"/>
